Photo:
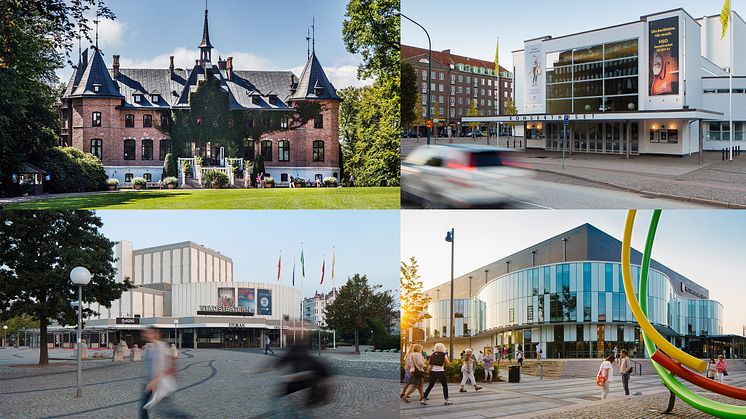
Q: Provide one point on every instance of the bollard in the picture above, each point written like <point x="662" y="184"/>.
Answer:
<point x="722" y="157"/>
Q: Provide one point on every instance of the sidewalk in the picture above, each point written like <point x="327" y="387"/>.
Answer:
<point x="715" y="182"/>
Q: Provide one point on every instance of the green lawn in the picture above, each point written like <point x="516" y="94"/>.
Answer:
<point x="303" y="198"/>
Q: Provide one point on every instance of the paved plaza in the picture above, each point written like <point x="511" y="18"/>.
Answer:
<point x="560" y="398"/>
<point x="212" y="383"/>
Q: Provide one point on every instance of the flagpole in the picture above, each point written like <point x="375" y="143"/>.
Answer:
<point x="730" y="81"/>
<point x="279" y="263"/>
<point x="334" y="294"/>
<point x="302" y="277"/>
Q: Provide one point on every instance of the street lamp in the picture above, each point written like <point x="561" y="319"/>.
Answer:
<point x="5" y="337"/>
<point x="429" y="70"/>
<point x="176" y="333"/>
<point x="80" y="276"/>
<point x="450" y="239"/>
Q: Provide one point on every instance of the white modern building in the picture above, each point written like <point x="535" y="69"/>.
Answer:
<point x="313" y="307"/>
<point x="189" y="292"/>
<point x="659" y="85"/>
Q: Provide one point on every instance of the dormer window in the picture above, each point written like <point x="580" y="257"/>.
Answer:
<point x="138" y="98"/>
<point x="96" y="88"/>
<point x="318" y="91"/>
<point x="255" y="100"/>
<point x="272" y="99"/>
<point x="155" y="98"/>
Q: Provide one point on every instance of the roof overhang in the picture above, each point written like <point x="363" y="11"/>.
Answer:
<point x="688" y="114"/>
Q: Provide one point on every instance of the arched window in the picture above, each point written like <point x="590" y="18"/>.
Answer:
<point x="147" y="121"/>
<point x="318" y="121"/>
<point x="97" y="147"/>
<point x="267" y="150"/>
<point x="248" y="151"/>
<point x="318" y="150"/>
<point x="129" y="149"/>
<point x="164" y="147"/>
<point x="283" y="150"/>
<point x="128" y="177"/>
<point x="96" y="119"/>
<point x="147" y="149"/>
<point x="129" y="120"/>
<point x="148" y="177"/>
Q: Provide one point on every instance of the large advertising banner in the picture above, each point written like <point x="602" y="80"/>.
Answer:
<point x="226" y="297"/>
<point x="265" y="301"/>
<point x="535" y="67"/>
<point x="663" y="51"/>
<point x="246" y="298"/>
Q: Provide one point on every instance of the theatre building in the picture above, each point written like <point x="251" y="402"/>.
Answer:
<point x="189" y="292"/>
<point x="566" y="293"/>
<point x="658" y="85"/>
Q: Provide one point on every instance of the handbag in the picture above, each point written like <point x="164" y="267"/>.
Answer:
<point x="601" y="379"/>
<point x="418" y="373"/>
<point x="725" y="372"/>
<point x="165" y="387"/>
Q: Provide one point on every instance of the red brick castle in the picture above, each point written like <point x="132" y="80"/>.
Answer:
<point x="113" y="113"/>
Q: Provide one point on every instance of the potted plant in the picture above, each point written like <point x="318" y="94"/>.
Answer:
<point x="299" y="182"/>
<point x="112" y="183"/>
<point x="171" y="182"/>
<point x="186" y="168"/>
<point x="139" y="183"/>
<point x="269" y="182"/>
<point x="215" y="179"/>
<point x="330" y="182"/>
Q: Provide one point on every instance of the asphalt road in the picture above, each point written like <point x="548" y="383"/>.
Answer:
<point x="550" y="191"/>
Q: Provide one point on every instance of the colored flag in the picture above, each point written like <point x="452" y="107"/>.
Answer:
<point x="334" y="260"/>
<point x="724" y="17"/>
<point x="497" y="55"/>
<point x="323" y="265"/>
<point x="279" y="263"/>
<point x="302" y="265"/>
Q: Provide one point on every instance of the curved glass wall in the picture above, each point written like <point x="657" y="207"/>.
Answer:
<point x="468" y="318"/>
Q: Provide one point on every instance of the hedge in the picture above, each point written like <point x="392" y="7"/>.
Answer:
<point x="72" y="170"/>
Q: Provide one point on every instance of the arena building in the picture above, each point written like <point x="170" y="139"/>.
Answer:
<point x="566" y="293"/>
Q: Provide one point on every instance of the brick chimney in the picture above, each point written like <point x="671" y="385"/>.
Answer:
<point x="221" y="63"/>
<point x="171" y="65"/>
<point x="447" y="51"/>
<point x="115" y="66"/>
<point x="229" y="67"/>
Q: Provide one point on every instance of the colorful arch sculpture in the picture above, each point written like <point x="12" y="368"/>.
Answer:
<point x="653" y="338"/>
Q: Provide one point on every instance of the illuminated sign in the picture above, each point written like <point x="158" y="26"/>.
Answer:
<point x="222" y="311"/>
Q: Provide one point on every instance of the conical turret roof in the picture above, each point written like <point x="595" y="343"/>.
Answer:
<point x="92" y="79"/>
<point x="313" y="83"/>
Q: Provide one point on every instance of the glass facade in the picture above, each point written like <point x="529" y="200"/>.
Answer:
<point x="599" y="78"/>
<point x="575" y="309"/>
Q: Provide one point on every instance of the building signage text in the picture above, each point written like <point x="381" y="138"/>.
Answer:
<point x="221" y="310"/>
<point x="684" y="288"/>
<point x="551" y="117"/>
<point x="128" y="320"/>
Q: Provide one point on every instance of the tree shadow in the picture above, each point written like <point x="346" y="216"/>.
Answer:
<point x="93" y="201"/>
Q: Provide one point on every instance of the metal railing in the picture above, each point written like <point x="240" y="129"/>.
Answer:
<point x="636" y="366"/>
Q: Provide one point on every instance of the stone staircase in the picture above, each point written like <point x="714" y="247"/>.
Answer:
<point x="553" y="368"/>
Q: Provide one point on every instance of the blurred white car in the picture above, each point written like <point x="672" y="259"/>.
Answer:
<point x="463" y="176"/>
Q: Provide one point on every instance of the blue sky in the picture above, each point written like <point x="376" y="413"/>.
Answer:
<point x="471" y="27"/>
<point x="706" y="246"/>
<point x="366" y="242"/>
<point x="259" y="34"/>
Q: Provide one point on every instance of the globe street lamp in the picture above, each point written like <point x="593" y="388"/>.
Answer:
<point x="450" y="239"/>
<point x="80" y="276"/>
<point x="5" y="337"/>
<point x="176" y="333"/>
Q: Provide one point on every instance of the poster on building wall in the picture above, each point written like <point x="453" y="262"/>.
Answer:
<point x="534" y="85"/>
<point x="663" y="56"/>
<point x="265" y="301"/>
<point x="246" y="298"/>
<point x="226" y="297"/>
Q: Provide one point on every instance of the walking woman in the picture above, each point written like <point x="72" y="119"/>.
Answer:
<point x="605" y="373"/>
<point x="407" y="374"/>
<point x="711" y="371"/>
<point x="416" y="373"/>
<point x="721" y="368"/>
<point x="467" y="371"/>
<point x="438" y="362"/>
<point x="488" y="362"/>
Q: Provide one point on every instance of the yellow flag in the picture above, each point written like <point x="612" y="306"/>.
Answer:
<point x="724" y="17"/>
<point x="497" y="55"/>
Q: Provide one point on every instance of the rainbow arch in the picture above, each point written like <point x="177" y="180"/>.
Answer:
<point x="668" y="360"/>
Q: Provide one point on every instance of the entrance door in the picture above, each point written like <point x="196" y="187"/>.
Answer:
<point x="600" y="338"/>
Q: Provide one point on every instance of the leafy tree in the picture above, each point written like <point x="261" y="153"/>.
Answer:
<point x="371" y="29"/>
<point x="15" y="324"/>
<point x="356" y="303"/>
<point x="409" y="95"/>
<point x="37" y="253"/>
<point x="510" y="109"/>
<point x="73" y="170"/>
<point x="169" y="165"/>
<point x="35" y="38"/>
<point x="473" y="112"/>
<point x="413" y="302"/>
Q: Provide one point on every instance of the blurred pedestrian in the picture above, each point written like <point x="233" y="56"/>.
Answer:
<point x="721" y="367"/>
<point x="519" y="355"/>
<point x="307" y="372"/>
<point x="488" y="363"/>
<point x="417" y="373"/>
<point x="467" y="370"/>
<point x="160" y="373"/>
<point x="407" y="375"/>
<point x="605" y="373"/>
<point x="437" y="364"/>
<point x="538" y="350"/>
<point x="625" y="370"/>
<point x="267" y="341"/>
